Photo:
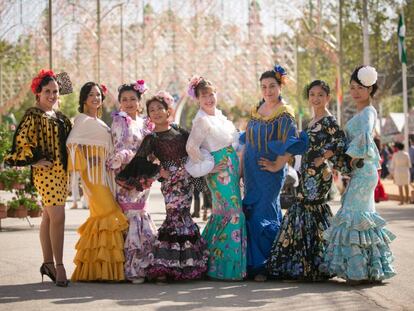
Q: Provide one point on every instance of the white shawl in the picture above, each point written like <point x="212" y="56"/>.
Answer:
<point x="93" y="133"/>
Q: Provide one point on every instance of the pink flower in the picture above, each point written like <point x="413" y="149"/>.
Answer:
<point x="140" y="86"/>
<point x="194" y="81"/>
<point x="235" y="235"/>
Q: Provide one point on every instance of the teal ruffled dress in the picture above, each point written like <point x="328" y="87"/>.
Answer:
<point x="357" y="240"/>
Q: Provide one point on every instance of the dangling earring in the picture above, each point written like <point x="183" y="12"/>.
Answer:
<point x="280" y="97"/>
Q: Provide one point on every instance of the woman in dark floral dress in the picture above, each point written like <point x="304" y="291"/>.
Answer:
<point x="298" y="250"/>
<point x="179" y="252"/>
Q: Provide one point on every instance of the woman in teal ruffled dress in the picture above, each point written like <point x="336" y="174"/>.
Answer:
<point x="357" y="240"/>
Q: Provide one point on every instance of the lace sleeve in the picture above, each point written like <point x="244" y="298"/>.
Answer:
<point x="197" y="136"/>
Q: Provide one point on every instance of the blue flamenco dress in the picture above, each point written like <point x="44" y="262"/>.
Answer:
<point x="357" y="240"/>
<point x="267" y="137"/>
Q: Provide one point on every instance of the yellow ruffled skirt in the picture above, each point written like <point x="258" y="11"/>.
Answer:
<point x="100" y="249"/>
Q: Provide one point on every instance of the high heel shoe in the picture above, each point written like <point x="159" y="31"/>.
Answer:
<point x="46" y="270"/>
<point x="63" y="283"/>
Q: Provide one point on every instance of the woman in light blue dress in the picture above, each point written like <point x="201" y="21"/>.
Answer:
<point x="357" y="240"/>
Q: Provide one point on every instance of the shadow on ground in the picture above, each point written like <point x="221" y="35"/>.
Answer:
<point x="186" y="295"/>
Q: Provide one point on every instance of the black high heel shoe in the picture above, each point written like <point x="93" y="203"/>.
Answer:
<point x="46" y="270"/>
<point x="63" y="283"/>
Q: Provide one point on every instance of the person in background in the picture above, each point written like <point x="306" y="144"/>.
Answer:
<point x="400" y="170"/>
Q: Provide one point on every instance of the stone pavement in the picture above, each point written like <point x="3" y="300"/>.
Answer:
<point x="21" y="287"/>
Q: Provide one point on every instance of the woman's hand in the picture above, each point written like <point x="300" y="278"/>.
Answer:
<point x="267" y="165"/>
<point x="164" y="173"/>
<point x="219" y="167"/>
<point x="318" y="161"/>
<point x="43" y="163"/>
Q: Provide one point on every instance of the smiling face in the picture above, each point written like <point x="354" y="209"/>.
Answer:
<point x="158" y="113"/>
<point x="318" y="98"/>
<point x="360" y="94"/>
<point x="130" y="103"/>
<point x="207" y="100"/>
<point x="94" y="100"/>
<point x="270" y="90"/>
<point x="48" y="96"/>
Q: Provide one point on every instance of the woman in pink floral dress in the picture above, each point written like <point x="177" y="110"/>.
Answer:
<point x="128" y="132"/>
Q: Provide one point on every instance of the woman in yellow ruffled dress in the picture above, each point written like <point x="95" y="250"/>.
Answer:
<point x="100" y="248"/>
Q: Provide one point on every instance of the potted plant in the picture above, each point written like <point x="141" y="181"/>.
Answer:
<point x="34" y="207"/>
<point x="3" y="210"/>
<point x="17" y="208"/>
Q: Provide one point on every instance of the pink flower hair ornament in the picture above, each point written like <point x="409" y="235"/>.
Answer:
<point x="194" y="81"/>
<point x="140" y="86"/>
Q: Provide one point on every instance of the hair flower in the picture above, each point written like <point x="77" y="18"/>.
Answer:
<point x="194" y="81"/>
<point x="280" y="74"/>
<point x="38" y="79"/>
<point x="140" y="86"/>
<point x="104" y="89"/>
<point x="367" y="75"/>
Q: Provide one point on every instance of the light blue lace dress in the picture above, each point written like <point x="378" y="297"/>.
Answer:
<point x="358" y="242"/>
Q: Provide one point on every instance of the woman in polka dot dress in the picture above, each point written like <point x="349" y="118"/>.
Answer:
<point x="39" y="141"/>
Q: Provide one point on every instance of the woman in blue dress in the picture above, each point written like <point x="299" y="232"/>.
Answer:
<point x="271" y="138"/>
<point x="357" y="242"/>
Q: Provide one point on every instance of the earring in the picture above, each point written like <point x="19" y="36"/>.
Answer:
<point x="280" y="97"/>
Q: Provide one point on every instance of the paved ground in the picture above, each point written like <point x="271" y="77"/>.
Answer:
<point x="21" y="287"/>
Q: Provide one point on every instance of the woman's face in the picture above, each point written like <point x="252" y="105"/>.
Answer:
<point x="208" y="100"/>
<point x="317" y="98"/>
<point x="94" y="100"/>
<point x="130" y="103"/>
<point x="270" y="90"/>
<point x="157" y="113"/>
<point x="359" y="93"/>
<point x="48" y="96"/>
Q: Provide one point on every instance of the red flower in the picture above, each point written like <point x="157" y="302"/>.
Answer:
<point x="38" y="79"/>
<point x="140" y="81"/>
<point x="104" y="89"/>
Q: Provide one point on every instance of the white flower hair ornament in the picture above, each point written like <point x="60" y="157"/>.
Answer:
<point x="367" y="75"/>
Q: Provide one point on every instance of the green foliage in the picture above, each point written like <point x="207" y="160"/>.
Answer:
<point x="6" y="136"/>
<point x="69" y="104"/>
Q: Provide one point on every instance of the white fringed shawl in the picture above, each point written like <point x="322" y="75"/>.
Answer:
<point x="95" y="135"/>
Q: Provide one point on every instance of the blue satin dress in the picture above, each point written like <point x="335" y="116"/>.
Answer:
<point x="267" y="137"/>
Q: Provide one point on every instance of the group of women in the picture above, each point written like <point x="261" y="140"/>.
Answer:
<point x="243" y="238"/>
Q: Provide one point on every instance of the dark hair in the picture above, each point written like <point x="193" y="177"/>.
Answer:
<point x="84" y="92"/>
<point x="128" y="87"/>
<point x="45" y="81"/>
<point x="156" y="99"/>
<point x="203" y="85"/>
<point x="324" y="86"/>
<point x="269" y="74"/>
<point x="399" y="146"/>
<point x="354" y="77"/>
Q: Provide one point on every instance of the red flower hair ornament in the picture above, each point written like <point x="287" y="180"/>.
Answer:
<point x="104" y="89"/>
<point x="39" y="78"/>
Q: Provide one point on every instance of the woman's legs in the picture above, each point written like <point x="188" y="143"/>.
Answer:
<point x="57" y="230"/>
<point x="400" y="190"/>
<point x="407" y="194"/>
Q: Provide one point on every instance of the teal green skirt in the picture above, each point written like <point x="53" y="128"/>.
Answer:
<point x="225" y="232"/>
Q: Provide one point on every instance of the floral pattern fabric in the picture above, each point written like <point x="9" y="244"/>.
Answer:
<point x="127" y="136"/>
<point x="225" y="231"/>
<point x="299" y="248"/>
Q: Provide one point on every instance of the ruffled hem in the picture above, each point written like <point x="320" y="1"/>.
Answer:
<point x="293" y="145"/>
<point x="188" y="273"/>
<point x="226" y="240"/>
<point x="299" y="249"/>
<point x="358" y="247"/>
<point x="138" y="244"/>
<point x="100" y="254"/>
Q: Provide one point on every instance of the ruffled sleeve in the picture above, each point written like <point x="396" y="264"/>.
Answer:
<point x="198" y="133"/>
<point x="289" y="140"/>
<point x="140" y="172"/>
<point x="363" y="145"/>
<point x="25" y="149"/>
<point x="121" y="154"/>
